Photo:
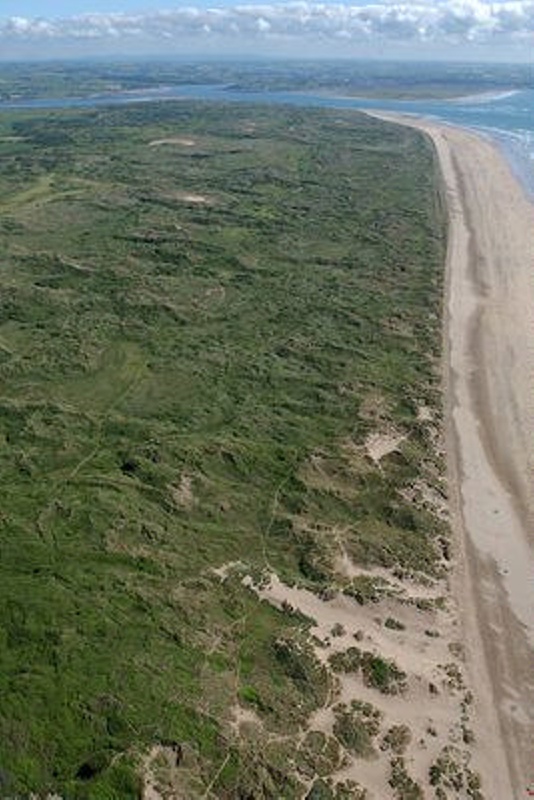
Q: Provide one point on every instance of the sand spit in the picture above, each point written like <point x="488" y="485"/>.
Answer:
<point x="489" y="345"/>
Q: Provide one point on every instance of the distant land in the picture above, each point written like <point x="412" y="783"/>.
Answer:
<point x="354" y="78"/>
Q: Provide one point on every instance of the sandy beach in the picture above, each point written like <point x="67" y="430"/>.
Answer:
<point x="489" y="394"/>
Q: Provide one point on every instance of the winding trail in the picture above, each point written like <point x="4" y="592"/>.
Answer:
<point x="489" y="394"/>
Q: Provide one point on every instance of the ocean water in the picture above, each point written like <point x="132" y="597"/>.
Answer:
<point x="507" y="117"/>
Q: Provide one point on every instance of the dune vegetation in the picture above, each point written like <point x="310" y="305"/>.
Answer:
<point x="219" y="345"/>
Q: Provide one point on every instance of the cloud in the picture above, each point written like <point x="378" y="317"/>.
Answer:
<point x="412" y="21"/>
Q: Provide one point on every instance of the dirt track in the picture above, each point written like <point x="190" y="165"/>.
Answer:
<point x="489" y="382"/>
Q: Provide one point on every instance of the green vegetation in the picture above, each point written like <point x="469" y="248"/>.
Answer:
<point x="382" y="674"/>
<point x="356" y="727"/>
<point x="405" y="787"/>
<point x="318" y="754"/>
<point x="394" y="624"/>
<point x="346" y="660"/>
<point x="397" y="739"/>
<point x="450" y="772"/>
<point x="366" y="589"/>
<point x="347" y="790"/>
<point x="377" y="672"/>
<point x="195" y="341"/>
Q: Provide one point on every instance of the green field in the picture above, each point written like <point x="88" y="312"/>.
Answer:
<point x="196" y="339"/>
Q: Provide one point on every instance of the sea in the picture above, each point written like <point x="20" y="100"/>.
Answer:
<point x="506" y="117"/>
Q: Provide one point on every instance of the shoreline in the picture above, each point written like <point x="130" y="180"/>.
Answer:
<point x="485" y="96"/>
<point x="489" y="386"/>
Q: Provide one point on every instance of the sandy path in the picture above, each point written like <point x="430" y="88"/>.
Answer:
<point x="489" y="347"/>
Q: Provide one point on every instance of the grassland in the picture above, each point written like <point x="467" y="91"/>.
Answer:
<point x="205" y="311"/>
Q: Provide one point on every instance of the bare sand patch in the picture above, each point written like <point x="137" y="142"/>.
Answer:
<point x="177" y="140"/>
<point x="425" y="496"/>
<point x="380" y="445"/>
<point x="245" y="720"/>
<point x="182" y="492"/>
<point x="422" y="643"/>
<point x="159" y="766"/>
<point x="425" y="414"/>
<point x="196" y="199"/>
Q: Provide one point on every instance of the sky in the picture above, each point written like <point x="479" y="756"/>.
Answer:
<point x="455" y="29"/>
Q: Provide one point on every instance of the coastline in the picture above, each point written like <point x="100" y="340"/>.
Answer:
<point x="485" y="97"/>
<point x="489" y="386"/>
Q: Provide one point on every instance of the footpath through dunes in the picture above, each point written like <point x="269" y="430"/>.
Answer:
<point x="489" y="345"/>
